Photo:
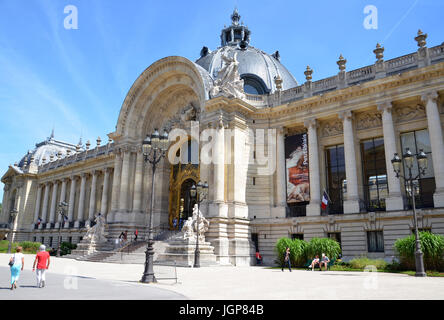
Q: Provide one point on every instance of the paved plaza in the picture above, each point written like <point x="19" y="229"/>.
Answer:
<point x="71" y="279"/>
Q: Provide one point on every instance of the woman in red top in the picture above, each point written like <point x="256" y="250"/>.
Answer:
<point x="42" y="259"/>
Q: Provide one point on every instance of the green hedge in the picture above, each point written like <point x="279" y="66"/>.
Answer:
<point x="432" y="246"/>
<point x="28" y="246"/>
<point x="301" y="251"/>
<point x="65" y="248"/>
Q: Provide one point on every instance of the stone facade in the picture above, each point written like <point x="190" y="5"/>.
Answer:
<point x="246" y="201"/>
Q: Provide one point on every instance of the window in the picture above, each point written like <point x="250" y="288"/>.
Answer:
<point x="254" y="181"/>
<point x="425" y="185"/>
<point x="50" y="241"/>
<point x="336" y="183"/>
<point x="335" y="236"/>
<point x="374" y="174"/>
<point x="42" y="240"/>
<point x="375" y="241"/>
<point x="253" y="84"/>
<point x="34" y="239"/>
<point x="299" y="236"/>
<point x="70" y="239"/>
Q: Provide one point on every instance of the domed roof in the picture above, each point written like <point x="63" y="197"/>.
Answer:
<point x="253" y="64"/>
<point x="256" y="67"/>
<point x="45" y="149"/>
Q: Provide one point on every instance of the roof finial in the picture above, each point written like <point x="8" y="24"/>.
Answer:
<point x="52" y="133"/>
<point x="235" y="17"/>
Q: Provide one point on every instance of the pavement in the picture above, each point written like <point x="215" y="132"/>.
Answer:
<point x="72" y="279"/>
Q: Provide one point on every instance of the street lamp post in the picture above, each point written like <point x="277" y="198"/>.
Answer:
<point x="422" y="164"/>
<point x="200" y="193"/>
<point x="154" y="149"/>
<point x="62" y="206"/>
<point x="13" y="214"/>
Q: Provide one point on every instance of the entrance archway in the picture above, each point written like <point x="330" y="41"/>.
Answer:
<point x="186" y="201"/>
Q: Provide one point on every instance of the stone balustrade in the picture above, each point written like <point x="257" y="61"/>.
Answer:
<point x="353" y="77"/>
<point x="77" y="157"/>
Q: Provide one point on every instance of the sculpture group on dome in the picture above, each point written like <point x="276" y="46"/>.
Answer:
<point x="228" y="82"/>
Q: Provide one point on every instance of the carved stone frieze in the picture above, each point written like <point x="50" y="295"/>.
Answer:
<point x="332" y="128"/>
<point x="368" y="120"/>
<point x="408" y="113"/>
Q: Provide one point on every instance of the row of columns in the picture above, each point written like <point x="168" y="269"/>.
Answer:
<point x="351" y="203"/>
<point x="55" y="202"/>
<point x="128" y="176"/>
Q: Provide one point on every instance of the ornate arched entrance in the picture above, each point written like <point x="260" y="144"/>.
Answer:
<point x="183" y="176"/>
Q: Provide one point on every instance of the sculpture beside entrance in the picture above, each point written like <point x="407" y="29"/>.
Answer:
<point x="196" y="225"/>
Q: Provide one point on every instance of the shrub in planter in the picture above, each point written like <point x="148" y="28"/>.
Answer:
<point x="432" y="246"/>
<point x="317" y="246"/>
<point x="297" y="251"/>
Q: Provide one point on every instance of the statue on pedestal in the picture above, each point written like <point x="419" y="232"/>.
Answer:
<point x="97" y="232"/>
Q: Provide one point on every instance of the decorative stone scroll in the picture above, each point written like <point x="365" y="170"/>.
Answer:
<point x="408" y="113"/>
<point x="332" y="128"/>
<point x="368" y="120"/>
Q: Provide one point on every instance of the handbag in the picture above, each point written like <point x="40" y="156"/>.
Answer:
<point x="11" y="262"/>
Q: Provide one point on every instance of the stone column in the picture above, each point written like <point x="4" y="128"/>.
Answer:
<point x="218" y="207"/>
<point x="45" y="205"/>
<point x="37" y="203"/>
<point x="92" y="198"/>
<point x="351" y="203"/>
<point x="104" y="203"/>
<point x="80" y="211"/>
<point x="394" y="201"/>
<point x="116" y="182"/>
<point x="281" y="186"/>
<point x="62" y="199"/>
<point x="314" y="208"/>
<point x="4" y="214"/>
<point x="123" y="199"/>
<point x="137" y="201"/>
<point x="72" y="197"/>
<point x="53" y="203"/>
<point x="219" y="164"/>
<point x="436" y="140"/>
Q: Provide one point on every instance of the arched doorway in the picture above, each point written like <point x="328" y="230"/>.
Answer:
<point x="186" y="201"/>
<point x="183" y="175"/>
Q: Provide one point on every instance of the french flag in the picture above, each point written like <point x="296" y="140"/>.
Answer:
<point x="39" y="221"/>
<point x="324" y="202"/>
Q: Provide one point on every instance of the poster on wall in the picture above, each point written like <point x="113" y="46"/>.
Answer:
<point x="296" y="164"/>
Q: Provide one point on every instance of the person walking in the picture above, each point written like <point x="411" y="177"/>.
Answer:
<point x="287" y="259"/>
<point x="136" y="233"/>
<point x="42" y="260"/>
<point x="17" y="262"/>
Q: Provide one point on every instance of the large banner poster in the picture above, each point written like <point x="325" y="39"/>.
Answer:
<point x="296" y="159"/>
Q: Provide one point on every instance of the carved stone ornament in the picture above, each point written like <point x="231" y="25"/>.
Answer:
<point x="368" y="120"/>
<point x="332" y="128"/>
<point x="228" y="82"/>
<point x="97" y="233"/>
<point x="407" y="113"/>
<point x="191" y="228"/>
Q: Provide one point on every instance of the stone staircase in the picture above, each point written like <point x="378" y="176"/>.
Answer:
<point x="133" y="252"/>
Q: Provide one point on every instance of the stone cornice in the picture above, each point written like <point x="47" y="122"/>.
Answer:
<point x="374" y="90"/>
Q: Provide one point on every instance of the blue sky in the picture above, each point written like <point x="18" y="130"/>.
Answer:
<point x="76" y="80"/>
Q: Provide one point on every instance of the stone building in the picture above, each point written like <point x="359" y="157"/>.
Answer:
<point x="277" y="146"/>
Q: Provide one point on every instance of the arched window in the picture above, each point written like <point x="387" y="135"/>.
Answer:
<point x="253" y="84"/>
